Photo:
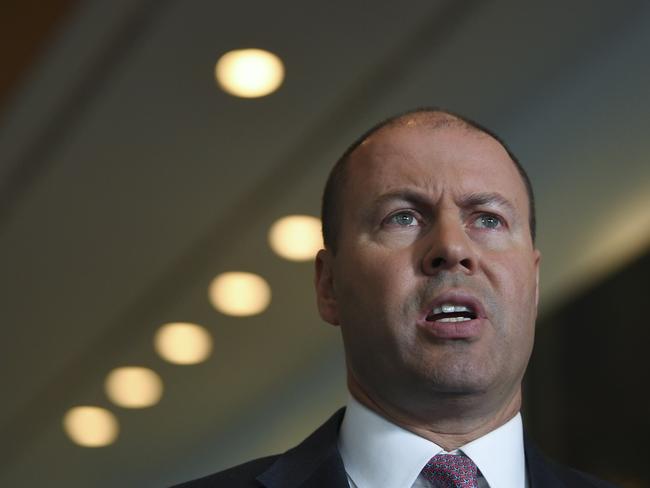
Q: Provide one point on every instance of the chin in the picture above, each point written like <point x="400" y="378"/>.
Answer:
<point x="457" y="389"/>
<point x="458" y="380"/>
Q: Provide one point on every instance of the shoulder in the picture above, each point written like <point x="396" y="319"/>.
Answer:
<point x="314" y="460"/>
<point x="544" y="472"/>
<point x="241" y="476"/>
<point x="573" y="477"/>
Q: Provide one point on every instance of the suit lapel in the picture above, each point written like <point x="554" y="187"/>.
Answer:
<point x="540" y="471"/>
<point x="314" y="463"/>
<point x="329" y="474"/>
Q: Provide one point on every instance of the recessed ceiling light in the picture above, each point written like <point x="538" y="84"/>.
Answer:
<point x="296" y="237"/>
<point x="183" y="343"/>
<point x="239" y="294"/>
<point x="133" y="387"/>
<point x="249" y="73"/>
<point x="90" y="426"/>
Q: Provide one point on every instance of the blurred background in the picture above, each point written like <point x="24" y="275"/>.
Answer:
<point x="134" y="186"/>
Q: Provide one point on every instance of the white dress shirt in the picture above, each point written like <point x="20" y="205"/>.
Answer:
<point x="379" y="454"/>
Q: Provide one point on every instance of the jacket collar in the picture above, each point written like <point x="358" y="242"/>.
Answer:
<point x="315" y="462"/>
<point x="540" y="470"/>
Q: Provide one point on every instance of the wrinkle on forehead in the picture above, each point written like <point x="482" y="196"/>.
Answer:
<point x="418" y="157"/>
<point x="383" y="149"/>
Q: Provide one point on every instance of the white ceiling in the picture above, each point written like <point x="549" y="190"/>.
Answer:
<point x="129" y="181"/>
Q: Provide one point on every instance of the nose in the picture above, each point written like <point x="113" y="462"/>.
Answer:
<point x="449" y="248"/>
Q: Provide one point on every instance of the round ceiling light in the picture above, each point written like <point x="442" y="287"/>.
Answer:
<point x="249" y="73"/>
<point x="239" y="294"/>
<point x="134" y="387"/>
<point x="183" y="343"/>
<point x="90" y="426"/>
<point x="296" y="237"/>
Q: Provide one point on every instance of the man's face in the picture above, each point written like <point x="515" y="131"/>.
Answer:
<point x="434" y="282"/>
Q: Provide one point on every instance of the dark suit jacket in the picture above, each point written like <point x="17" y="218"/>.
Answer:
<point x="316" y="463"/>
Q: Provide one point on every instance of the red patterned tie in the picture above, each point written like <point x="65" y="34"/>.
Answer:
<point x="451" y="471"/>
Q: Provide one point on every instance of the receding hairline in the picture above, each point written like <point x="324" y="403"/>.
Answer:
<point x="432" y="120"/>
<point x="425" y="118"/>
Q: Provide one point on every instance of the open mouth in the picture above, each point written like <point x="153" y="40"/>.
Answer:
<point x="454" y="315"/>
<point x="448" y="312"/>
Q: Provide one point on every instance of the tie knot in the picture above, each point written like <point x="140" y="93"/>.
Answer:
<point x="451" y="471"/>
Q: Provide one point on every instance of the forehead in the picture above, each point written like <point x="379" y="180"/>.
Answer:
<point x="456" y="160"/>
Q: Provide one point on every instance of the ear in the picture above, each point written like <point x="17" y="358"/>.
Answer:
<point x="538" y="258"/>
<point x="324" y="282"/>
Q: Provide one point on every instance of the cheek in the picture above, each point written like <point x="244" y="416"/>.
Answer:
<point x="513" y="282"/>
<point x="514" y="274"/>
<point x="374" y="286"/>
<point x="513" y="286"/>
<point x="374" y="265"/>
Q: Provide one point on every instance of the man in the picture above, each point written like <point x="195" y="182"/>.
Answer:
<point x="431" y="272"/>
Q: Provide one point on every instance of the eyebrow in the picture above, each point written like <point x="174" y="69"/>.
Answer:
<point x="467" y="201"/>
<point x="488" y="198"/>
<point x="404" y="195"/>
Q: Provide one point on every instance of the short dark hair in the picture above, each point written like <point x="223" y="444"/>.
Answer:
<point x="331" y="209"/>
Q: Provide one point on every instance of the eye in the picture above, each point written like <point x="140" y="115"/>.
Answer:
<point x="488" y="221"/>
<point x="403" y="219"/>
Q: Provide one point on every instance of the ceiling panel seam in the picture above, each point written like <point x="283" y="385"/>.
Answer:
<point x="36" y="160"/>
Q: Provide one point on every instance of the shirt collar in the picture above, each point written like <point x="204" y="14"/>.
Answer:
<point x="376" y="452"/>
<point x="500" y="454"/>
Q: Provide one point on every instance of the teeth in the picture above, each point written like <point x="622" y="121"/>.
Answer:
<point x="447" y="308"/>
<point x="454" y="319"/>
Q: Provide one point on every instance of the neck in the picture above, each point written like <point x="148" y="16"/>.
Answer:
<point x="450" y="423"/>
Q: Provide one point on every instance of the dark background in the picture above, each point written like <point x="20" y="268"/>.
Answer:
<point x="586" y="399"/>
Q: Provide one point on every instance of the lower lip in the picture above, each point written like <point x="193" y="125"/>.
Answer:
<point x="469" y="329"/>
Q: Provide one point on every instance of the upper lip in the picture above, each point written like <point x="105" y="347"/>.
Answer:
<point x="456" y="297"/>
